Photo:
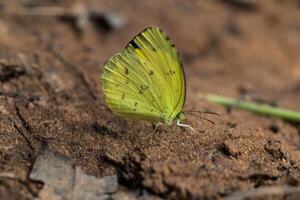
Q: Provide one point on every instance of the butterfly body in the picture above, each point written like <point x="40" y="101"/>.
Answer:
<point x="146" y="80"/>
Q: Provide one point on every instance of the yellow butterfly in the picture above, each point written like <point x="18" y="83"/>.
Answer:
<point x="146" y="80"/>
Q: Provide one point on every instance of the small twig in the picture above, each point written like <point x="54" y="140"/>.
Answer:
<point x="255" y="107"/>
<point x="260" y="192"/>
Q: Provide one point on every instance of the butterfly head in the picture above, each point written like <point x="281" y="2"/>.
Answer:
<point x="169" y="119"/>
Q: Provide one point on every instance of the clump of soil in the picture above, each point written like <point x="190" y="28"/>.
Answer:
<point x="50" y="93"/>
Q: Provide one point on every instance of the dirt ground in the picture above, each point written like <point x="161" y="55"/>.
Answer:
<point x="50" y="93"/>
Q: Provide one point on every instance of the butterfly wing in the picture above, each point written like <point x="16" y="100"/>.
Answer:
<point x="146" y="80"/>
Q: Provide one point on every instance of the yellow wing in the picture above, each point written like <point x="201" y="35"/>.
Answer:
<point x="146" y="80"/>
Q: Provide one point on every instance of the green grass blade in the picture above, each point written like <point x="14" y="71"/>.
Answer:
<point x="263" y="109"/>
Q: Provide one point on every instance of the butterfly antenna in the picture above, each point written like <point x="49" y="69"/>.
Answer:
<point x="200" y="117"/>
<point x="201" y="112"/>
<point x="186" y="126"/>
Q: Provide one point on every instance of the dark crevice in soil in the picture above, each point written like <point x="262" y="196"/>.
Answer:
<point x="23" y="121"/>
<point x="274" y="128"/>
<point x="104" y="130"/>
<point x="259" y="179"/>
<point x="2" y="183"/>
<point x="33" y="139"/>
<point x="127" y="172"/>
<point x="22" y="134"/>
<point x="225" y="151"/>
<point x="28" y="186"/>
<point x="8" y="72"/>
<point x="17" y="94"/>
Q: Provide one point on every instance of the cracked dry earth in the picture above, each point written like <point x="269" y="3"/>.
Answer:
<point x="50" y="94"/>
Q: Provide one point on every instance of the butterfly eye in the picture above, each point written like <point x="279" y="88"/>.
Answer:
<point x="163" y="115"/>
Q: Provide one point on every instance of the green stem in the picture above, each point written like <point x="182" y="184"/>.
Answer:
<point x="254" y="107"/>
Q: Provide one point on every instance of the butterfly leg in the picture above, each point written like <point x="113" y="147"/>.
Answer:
<point x="154" y="130"/>
<point x="186" y="126"/>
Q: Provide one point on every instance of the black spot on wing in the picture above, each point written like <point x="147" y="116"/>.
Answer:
<point x="167" y="37"/>
<point x="171" y="72"/>
<point x="143" y="88"/>
<point x="151" y="72"/>
<point x="126" y="71"/>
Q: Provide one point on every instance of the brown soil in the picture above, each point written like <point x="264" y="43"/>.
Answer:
<point x="50" y="93"/>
